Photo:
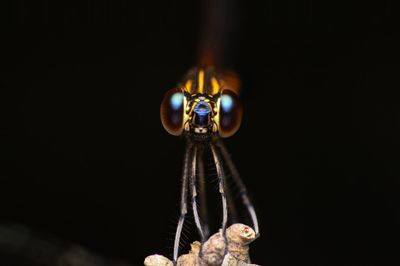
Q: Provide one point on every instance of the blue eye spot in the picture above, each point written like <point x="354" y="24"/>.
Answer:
<point x="226" y="103"/>
<point x="177" y="100"/>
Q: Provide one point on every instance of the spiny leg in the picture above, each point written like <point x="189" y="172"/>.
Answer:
<point x="242" y="188"/>
<point x="233" y="217"/>
<point x="193" y="192"/>
<point x="221" y="178"/>
<point x="202" y="191"/>
<point x="183" y="208"/>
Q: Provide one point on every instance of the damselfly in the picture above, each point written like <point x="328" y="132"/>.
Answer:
<point x="204" y="108"/>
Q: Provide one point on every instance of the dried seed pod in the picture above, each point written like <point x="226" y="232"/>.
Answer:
<point x="195" y="247"/>
<point x="191" y="259"/>
<point x="239" y="236"/>
<point x="188" y="260"/>
<point x="240" y="233"/>
<point x="229" y="260"/>
<point x="157" y="260"/>
<point x="213" y="250"/>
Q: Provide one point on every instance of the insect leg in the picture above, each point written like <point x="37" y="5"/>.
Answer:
<point x="238" y="180"/>
<point x="183" y="208"/>
<point x="221" y="178"/>
<point x="193" y="192"/>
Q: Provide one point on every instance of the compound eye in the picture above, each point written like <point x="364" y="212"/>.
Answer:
<point x="230" y="113"/>
<point x="172" y="110"/>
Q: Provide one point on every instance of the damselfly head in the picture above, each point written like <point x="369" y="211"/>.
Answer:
<point x="201" y="115"/>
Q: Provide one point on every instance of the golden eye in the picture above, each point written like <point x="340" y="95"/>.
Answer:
<point x="230" y="113"/>
<point x="172" y="111"/>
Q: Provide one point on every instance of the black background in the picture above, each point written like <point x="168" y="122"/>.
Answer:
<point x="84" y="156"/>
